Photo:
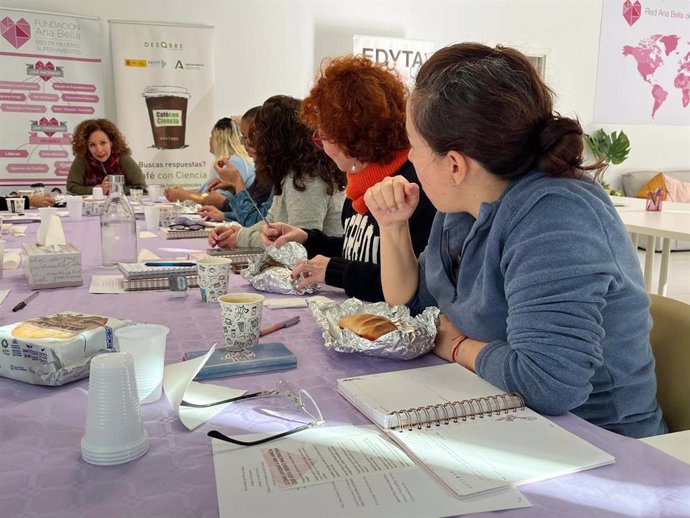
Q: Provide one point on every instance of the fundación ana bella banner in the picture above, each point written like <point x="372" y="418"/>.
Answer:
<point x="164" y="93"/>
<point x="643" y="73"/>
<point x="403" y="55"/>
<point x="50" y="80"/>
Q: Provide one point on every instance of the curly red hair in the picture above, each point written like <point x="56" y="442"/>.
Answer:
<point x="83" y="131"/>
<point x="359" y="105"/>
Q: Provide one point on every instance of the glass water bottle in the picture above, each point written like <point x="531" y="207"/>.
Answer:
<point x="118" y="226"/>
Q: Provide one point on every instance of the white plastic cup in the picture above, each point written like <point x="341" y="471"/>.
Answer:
<point x="152" y="216"/>
<point x="214" y="273"/>
<point x="241" y="319"/>
<point x="75" y="205"/>
<point x="45" y="213"/>
<point x="154" y="192"/>
<point x="97" y="193"/>
<point x="146" y="344"/>
<point x="114" y="431"/>
<point x="15" y="204"/>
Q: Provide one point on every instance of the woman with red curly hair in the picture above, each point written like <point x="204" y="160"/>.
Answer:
<point x="100" y="150"/>
<point x="357" y="112"/>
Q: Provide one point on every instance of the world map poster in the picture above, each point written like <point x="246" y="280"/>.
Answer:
<point x="643" y="73"/>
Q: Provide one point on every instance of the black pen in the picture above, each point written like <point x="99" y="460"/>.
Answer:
<point x="24" y="302"/>
<point x="173" y="263"/>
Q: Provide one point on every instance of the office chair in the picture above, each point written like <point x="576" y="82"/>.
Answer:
<point x="670" y="340"/>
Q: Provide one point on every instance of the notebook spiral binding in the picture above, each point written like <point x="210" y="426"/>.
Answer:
<point x="444" y="413"/>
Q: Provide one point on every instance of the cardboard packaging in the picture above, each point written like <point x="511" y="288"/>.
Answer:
<point x="55" y="266"/>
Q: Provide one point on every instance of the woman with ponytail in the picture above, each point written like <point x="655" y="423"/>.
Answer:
<point x="539" y="286"/>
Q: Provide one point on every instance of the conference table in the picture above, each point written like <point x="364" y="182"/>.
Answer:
<point x="42" y="473"/>
<point x="672" y="222"/>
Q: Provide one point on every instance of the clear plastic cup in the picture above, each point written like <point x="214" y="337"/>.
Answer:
<point x="146" y="344"/>
<point x="97" y="193"/>
<point x="154" y="192"/>
<point x="114" y="431"/>
<point x="214" y="273"/>
<point x="152" y="215"/>
<point x="75" y="205"/>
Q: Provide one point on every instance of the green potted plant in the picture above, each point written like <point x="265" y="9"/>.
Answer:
<point x="611" y="148"/>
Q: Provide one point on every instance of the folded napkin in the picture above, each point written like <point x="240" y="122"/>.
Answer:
<point x="50" y="232"/>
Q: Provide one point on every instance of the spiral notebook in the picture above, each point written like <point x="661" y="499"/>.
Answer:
<point x="469" y="435"/>
<point x="171" y="233"/>
<point x="156" y="283"/>
<point x="141" y="271"/>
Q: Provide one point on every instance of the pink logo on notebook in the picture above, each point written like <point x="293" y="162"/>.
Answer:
<point x="632" y="12"/>
<point x="40" y="66"/>
<point x="16" y="33"/>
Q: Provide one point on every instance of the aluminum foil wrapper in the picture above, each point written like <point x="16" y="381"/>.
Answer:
<point x="414" y="337"/>
<point x="272" y="271"/>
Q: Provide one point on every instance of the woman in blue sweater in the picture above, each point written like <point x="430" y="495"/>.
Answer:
<point x="539" y="285"/>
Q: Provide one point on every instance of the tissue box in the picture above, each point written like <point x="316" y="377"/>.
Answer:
<point x="55" y="266"/>
<point x="56" y="349"/>
<point x="92" y="207"/>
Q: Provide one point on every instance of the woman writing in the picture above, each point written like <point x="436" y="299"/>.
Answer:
<point x="99" y="150"/>
<point x="308" y="188"/>
<point x="528" y="260"/>
<point x="357" y="109"/>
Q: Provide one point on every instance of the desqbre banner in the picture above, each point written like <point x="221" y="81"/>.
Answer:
<point x="50" y="80"/>
<point x="403" y="55"/>
<point x="164" y="80"/>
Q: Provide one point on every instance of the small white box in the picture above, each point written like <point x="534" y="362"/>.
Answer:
<point x="55" y="266"/>
<point x="92" y="207"/>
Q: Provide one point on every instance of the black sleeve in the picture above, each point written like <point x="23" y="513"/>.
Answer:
<point x="3" y="203"/>
<point x="318" y="243"/>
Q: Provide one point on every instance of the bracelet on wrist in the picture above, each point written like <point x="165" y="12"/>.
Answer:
<point x="456" y="349"/>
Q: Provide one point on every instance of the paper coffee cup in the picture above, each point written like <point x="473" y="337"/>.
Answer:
<point x="241" y="319"/>
<point x="214" y="273"/>
<point x="15" y="204"/>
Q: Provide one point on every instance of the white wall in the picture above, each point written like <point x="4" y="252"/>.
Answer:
<point x="265" y="47"/>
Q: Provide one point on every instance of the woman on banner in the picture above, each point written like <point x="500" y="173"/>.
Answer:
<point x="100" y="150"/>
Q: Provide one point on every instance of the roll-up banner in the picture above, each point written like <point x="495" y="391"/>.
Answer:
<point x="164" y="93"/>
<point x="50" y="80"/>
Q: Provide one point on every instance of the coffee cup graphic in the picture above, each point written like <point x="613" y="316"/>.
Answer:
<point x="167" y="107"/>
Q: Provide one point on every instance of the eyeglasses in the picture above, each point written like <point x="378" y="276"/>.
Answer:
<point x="296" y="400"/>
<point x="184" y="223"/>
<point x="317" y="140"/>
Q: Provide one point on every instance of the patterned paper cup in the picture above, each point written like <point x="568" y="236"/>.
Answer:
<point x="214" y="273"/>
<point x="241" y="319"/>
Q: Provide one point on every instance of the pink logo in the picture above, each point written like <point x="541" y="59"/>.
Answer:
<point x="40" y="66"/>
<point x="16" y="33"/>
<point x="45" y="122"/>
<point x="632" y="12"/>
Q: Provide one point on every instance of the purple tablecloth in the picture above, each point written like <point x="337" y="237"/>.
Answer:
<point x="42" y="473"/>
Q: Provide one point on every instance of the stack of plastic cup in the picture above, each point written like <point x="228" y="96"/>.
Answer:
<point x="146" y="344"/>
<point x="114" y="431"/>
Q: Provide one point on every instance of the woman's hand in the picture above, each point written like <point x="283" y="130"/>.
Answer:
<point x="177" y="194"/>
<point x="217" y="183"/>
<point x="392" y="201"/>
<point x="311" y="272"/>
<point x="280" y="233"/>
<point x="224" y="237"/>
<point x="105" y="185"/>
<point x="212" y="213"/>
<point x="229" y="175"/>
<point x="447" y="336"/>
<point x="41" y="201"/>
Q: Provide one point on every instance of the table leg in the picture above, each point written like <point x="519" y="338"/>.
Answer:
<point x="635" y="239"/>
<point x="663" y="272"/>
<point x="649" y="263"/>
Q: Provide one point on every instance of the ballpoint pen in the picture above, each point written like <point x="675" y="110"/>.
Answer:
<point x="256" y="207"/>
<point x="278" y="325"/>
<point x="24" y="302"/>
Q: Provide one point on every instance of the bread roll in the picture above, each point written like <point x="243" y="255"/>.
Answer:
<point x="60" y="326"/>
<point x="366" y="325"/>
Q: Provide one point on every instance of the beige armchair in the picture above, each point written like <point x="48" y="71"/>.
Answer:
<point x="670" y="339"/>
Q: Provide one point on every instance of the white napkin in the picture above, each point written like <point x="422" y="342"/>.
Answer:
<point x="178" y="385"/>
<point x="50" y="232"/>
<point x="146" y="255"/>
<point x="293" y="302"/>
